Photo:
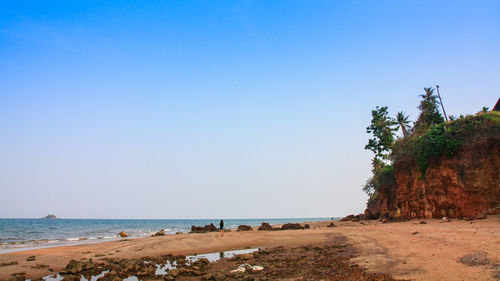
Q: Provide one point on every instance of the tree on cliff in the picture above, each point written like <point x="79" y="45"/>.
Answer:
<point x="382" y="128"/>
<point x="429" y="111"/>
<point x="403" y="123"/>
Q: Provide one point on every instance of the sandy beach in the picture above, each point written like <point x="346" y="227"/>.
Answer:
<point x="435" y="250"/>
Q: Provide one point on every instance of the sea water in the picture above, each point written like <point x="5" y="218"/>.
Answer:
<point x="21" y="234"/>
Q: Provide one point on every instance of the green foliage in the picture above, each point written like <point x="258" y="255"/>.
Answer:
<point x="438" y="141"/>
<point x="382" y="128"/>
<point x="403" y="123"/>
<point x="432" y="145"/>
<point x="384" y="176"/>
<point x="429" y="140"/>
<point x="429" y="111"/>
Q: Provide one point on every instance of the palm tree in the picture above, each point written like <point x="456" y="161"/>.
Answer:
<point x="403" y="122"/>
<point x="429" y="96"/>
<point x="429" y="112"/>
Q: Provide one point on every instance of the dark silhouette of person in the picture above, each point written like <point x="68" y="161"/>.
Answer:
<point x="221" y="224"/>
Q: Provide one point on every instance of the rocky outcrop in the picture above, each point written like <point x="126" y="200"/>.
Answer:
<point x="244" y="228"/>
<point x="160" y="233"/>
<point x="265" y="226"/>
<point x="288" y="226"/>
<point x="466" y="185"/>
<point x="203" y="229"/>
<point x="50" y="216"/>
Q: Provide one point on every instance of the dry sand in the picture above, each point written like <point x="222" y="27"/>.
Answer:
<point x="433" y="253"/>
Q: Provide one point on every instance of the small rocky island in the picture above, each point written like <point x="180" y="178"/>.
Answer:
<point x="50" y="216"/>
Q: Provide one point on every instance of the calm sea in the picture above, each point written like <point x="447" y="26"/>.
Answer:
<point x="20" y="234"/>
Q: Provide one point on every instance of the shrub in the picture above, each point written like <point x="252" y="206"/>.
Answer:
<point x="382" y="177"/>
<point x="444" y="139"/>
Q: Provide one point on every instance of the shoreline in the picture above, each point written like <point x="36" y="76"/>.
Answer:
<point x="408" y="250"/>
<point x="171" y="227"/>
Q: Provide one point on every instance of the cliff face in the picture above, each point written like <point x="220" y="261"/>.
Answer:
<point x="466" y="185"/>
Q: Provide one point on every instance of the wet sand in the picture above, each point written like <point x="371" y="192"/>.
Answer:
<point x="433" y="253"/>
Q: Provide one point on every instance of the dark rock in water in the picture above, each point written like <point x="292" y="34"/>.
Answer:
<point x="160" y="233"/>
<point x="288" y="226"/>
<point x="331" y="225"/>
<point x="202" y="229"/>
<point x="265" y="226"/>
<point x="244" y="228"/>
<point x="31" y="258"/>
<point x="50" y="216"/>
<point x="123" y="234"/>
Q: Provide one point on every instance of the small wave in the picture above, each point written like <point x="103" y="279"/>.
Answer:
<point x="71" y="239"/>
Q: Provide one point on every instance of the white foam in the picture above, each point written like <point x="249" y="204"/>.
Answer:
<point x="72" y="239"/>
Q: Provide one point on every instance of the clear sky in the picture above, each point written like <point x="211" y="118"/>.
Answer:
<point x="209" y="109"/>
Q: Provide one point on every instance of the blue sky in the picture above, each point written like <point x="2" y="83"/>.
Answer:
<point x="208" y="109"/>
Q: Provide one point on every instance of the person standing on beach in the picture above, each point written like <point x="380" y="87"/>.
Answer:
<point x="221" y="224"/>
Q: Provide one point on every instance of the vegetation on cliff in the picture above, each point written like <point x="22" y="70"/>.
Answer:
<point x="429" y="139"/>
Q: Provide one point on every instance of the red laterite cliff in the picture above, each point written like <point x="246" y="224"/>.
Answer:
<point x="465" y="185"/>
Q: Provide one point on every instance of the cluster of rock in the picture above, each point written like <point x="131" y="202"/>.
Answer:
<point x="369" y="216"/>
<point x="386" y="218"/>
<point x="288" y="226"/>
<point x="267" y="227"/>
<point x="160" y="233"/>
<point x="353" y="218"/>
<point x="203" y="229"/>
<point x="144" y="268"/>
<point x="328" y="262"/>
<point x="244" y="228"/>
<point x="264" y="226"/>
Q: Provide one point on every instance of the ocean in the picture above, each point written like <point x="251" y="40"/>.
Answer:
<point x="21" y="234"/>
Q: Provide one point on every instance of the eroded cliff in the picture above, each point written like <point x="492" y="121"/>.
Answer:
<point x="465" y="185"/>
